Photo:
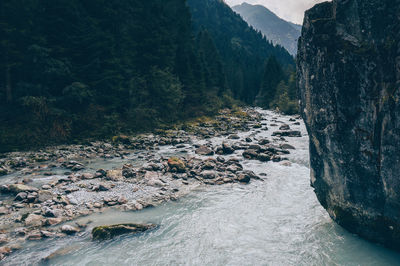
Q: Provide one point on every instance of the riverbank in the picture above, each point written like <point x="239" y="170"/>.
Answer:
<point x="43" y="190"/>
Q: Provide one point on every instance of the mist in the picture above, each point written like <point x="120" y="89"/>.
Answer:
<point x="291" y="10"/>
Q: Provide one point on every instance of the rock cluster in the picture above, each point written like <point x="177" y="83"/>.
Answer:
<point x="34" y="209"/>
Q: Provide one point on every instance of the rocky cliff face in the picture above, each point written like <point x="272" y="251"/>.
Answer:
<point x="349" y="81"/>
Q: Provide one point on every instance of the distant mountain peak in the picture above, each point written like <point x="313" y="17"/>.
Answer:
<point x="275" y="29"/>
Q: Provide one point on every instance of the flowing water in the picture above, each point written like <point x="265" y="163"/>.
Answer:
<point x="275" y="222"/>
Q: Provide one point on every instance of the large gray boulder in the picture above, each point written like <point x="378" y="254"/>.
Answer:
<point x="349" y="81"/>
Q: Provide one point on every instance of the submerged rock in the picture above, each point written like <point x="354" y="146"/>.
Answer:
<point x="110" y="231"/>
<point x="349" y="77"/>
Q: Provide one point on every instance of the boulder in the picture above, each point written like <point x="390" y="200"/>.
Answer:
<point x="17" y="188"/>
<point x="250" y="154"/>
<point x="34" y="220"/>
<point x="348" y="69"/>
<point x="110" y="231"/>
<point x="204" y="150"/>
<point x="69" y="229"/>
<point x="289" y="133"/>
<point x="176" y="164"/>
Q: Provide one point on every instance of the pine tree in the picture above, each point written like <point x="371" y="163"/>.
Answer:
<point x="272" y="76"/>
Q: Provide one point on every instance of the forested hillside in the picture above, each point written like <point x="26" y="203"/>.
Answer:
<point x="243" y="50"/>
<point x="73" y="68"/>
<point x="76" y="69"/>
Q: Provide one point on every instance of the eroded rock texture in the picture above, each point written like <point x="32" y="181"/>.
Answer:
<point x="349" y="80"/>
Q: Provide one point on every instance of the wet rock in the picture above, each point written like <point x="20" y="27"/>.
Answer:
<point x="248" y="139"/>
<point x="114" y="175"/>
<point x="243" y="178"/>
<point x="227" y="149"/>
<point x="4" y="239"/>
<point x="44" y="195"/>
<point x="53" y="221"/>
<point x="234" y="136"/>
<point x="208" y="174"/>
<point x="100" y="173"/>
<point x="34" y="220"/>
<point x="87" y="176"/>
<point x="110" y="231"/>
<point x="290" y="133"/>
<point x="349" y="79"/>
<point x="103" y="187"/>
<point x="208" y="165"/>
<point x="46" y="187"/>
<point x="286" y="146"/>
<point x="97" y="205"/>
<point x="69" y="229"/>
<point x="204" y="150"/>
<point x="250" y="154"/>
<point x="128" y="172"/>
<point x="34" y="235"/>
<point x="31" y="197"/>
<point x="48" y="212"/>
<point x="47" y="234"/>
<point x="59" y="253"/>
<point x="21" y="196"/>
<point x="284" y="127"/>
<point x="263" y="157"/>
<point x="176" y="164"/>
<point x="3" y="171"/>
<point x="263" y="141"/>
<point x="3" y="210"/>
<point x="17" y="188"/>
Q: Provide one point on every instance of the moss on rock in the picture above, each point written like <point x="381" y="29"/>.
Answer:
<point x="110" y="231"/>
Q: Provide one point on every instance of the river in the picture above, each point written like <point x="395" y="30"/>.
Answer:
<point x="277" y="221"/>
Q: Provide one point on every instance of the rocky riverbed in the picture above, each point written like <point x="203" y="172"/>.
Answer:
<point x="44" y="192"/>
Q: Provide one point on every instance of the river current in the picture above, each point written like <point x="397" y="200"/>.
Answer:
<point x="277" y="221"/>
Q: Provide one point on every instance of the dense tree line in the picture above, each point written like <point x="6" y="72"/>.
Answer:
<point x="73" y="69"/>
<point x="243" y="50"/>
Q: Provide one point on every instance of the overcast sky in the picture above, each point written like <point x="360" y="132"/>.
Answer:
<point x="292" y="10"/>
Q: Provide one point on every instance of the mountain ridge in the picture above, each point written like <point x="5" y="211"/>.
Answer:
<point x="274" y="28"/>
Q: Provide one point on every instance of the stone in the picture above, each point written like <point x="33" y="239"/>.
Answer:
<point x="69" y="229"/>
<point x="227" y="149"/>
<point x="21" y="196"/>
<point x="103" y="187"/>
<point x="250" y="154"/>
<point x="204" y="150"/>
<point x="87" y="176"/>
<point x="3" y="171"/>
<point x="17" y="188"/>
<point x="34" y="220"/>
<point x="53" y="221"/>
<point x="128" y="172"/>
<point x="286" y="146"/>
<point x="234" y="136"/>
<point x="243" y="178"/>
<point x="348" y="69"/>
<point x="110" y="231"/>
<point x="284" y="127"/>
<point x="177" y="164"/>
<point x="289" y="133"/>
<point x="114" y="175"/>
<point x="208" y="174"/>
<point x="45" y="195"/>
<point x="4" y="239"/>
<point x="263" y="157"/>
<point x="3" y="210"/>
